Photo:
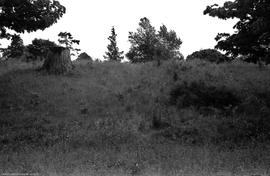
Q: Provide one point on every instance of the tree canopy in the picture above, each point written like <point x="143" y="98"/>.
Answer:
<point x="210" y="55"/>
<point x="28" y="15"/>
<point x="252" y="36"/>
<point x="147" y="44"/>
<point x="143" y="42"/>
<point x="113" y="53"/>
<point x="170" y="44"/>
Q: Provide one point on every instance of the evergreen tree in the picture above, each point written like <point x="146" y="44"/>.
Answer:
<point x="66" y="39"/>
<point x="143" y="42"/>
<point x="170" y="44"/>
<point x="113" y="53"/>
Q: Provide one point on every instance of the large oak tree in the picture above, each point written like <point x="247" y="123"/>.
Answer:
<point x="252" y="36"/>
<point x="28" y="15"/>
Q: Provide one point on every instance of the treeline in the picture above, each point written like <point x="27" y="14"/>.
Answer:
<point x="250" y="42"/>
<point x="147" y="44"/>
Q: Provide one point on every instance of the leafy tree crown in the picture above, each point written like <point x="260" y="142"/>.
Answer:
<point x="252" y="36"/>
<point x="28" y="15"/>
<point x="147" y="44"/>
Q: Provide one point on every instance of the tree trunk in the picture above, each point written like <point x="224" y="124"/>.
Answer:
<point x="58" y="61"/>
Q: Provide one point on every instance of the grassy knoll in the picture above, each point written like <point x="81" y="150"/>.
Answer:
<point x="182" y="118"/>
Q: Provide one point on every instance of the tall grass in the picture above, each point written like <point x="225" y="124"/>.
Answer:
<point x="119" y="119"/>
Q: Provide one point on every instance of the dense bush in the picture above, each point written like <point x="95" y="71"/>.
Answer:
<point x="84" y="56"/>
<point x="210" y="55"/>
<point x="198" y="94"/>
<point x="39" y="49"/>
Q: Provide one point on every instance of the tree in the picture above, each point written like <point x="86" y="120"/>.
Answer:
<point x="28" y="15"/>
<point x="16" y="48"/>
<point x="210" y="55"/>
<point x="252" y="37"/>
<point x="170" y="44"/>
<point x="113" y="53"/>
<point x="143" y="42"/>
<point x="66" y="39"/>
<point x="149" y="45"/>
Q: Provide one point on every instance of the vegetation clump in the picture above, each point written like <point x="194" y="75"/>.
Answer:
<point x="198" y="94"/>
<point x="39" y="49"/>
<point x="84" y="56"/>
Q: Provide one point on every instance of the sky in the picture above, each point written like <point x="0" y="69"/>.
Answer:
<point x="91" y="23"/>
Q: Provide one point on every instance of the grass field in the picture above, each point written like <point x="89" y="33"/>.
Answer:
<point x="126" y="119"/>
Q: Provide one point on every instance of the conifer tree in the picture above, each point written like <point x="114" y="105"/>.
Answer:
<point x="66" y="39"/>
<point x="147" y="44"/>
<point x="113" y="53"/>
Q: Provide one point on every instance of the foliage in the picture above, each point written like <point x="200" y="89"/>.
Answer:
<point x="40" y="48"/>
<point x="149" y="45"/>
<point x="16" y="48"/>
<point x="210" y="55"/>
<point x="113" y="53"/>
<point x="28" y="15"/>
<point x="66" y="39"/>
<point x="198" y="95"/>
<point x="170" y="44"/>
<point x="252" y="37"/>
<point x="142" y="42"/>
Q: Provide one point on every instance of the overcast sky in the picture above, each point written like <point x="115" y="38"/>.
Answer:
<point x="91" y="22"/>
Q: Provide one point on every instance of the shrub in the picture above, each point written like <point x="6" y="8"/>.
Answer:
<point x="198" y="94"/>
<point x="39" y="48"/>
<point x="84" y="56"/>
<point x="210" y="55"/>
